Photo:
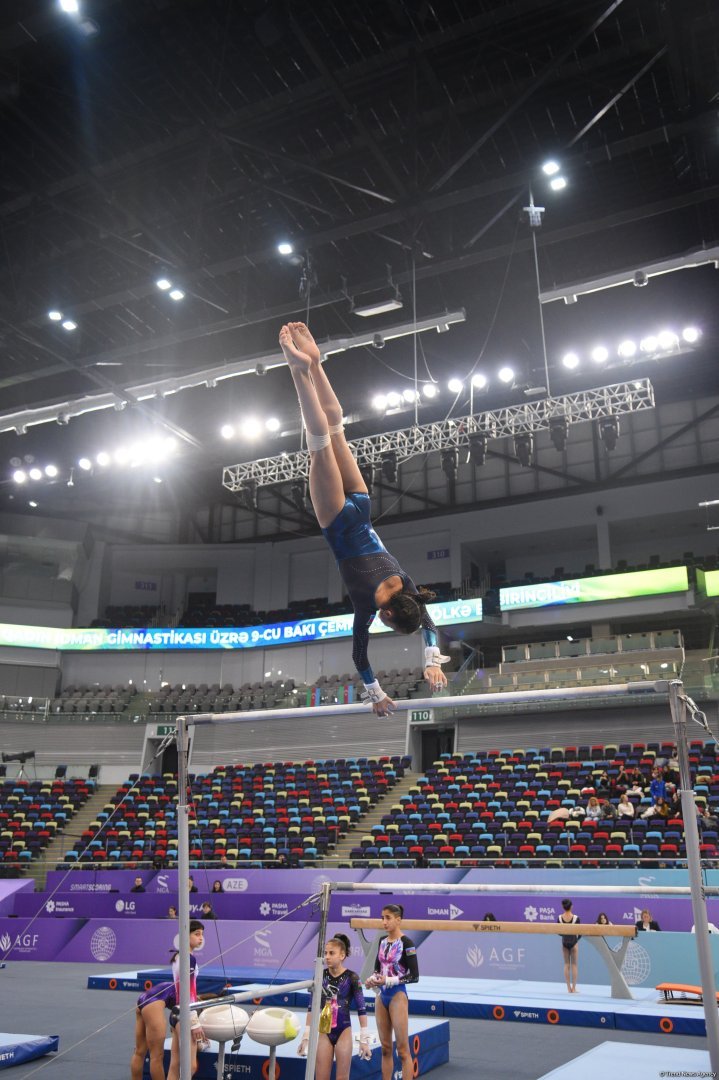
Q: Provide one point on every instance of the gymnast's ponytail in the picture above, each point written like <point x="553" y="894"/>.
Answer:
<point x="343" y="941"/>
<point x="407" y="608"/>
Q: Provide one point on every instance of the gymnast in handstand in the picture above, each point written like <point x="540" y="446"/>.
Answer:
<point x="375" y="581"/>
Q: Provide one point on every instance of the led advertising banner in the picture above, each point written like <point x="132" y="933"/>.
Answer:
<point x="595" y="589"/>
<point x="708" y="582"/>
<point x="449" y="613"/>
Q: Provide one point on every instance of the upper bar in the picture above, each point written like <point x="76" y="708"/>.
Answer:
<point x="398" y="887"/>
<point x="661" y="686"/>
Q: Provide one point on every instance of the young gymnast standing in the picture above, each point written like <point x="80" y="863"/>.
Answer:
<point x="395" y="966"/>
<point x="374" y="579"/>
<point x="341" y="988"/>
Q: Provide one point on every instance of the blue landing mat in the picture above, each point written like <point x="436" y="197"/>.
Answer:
<point x="211" y="980"/>
<point x="501" y="1000"/>
<point x="428" y="1039"/>
<point x="15" y="1049"/>
<point x="641" y="1061"/>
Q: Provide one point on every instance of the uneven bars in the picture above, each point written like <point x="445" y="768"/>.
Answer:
<point x="591" y="890"/>
<point x="660" y="686"/>
<point x="492" y="927"/>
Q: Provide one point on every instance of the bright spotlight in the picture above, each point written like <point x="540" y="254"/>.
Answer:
<point x="169" y="444"/>
<point x="667" y="339"/>
<point x="409" y="395"/>
<point x="164" y="284"/>
<point x="19" y="476"/>
<point x="227" y="431"/>
<point x="122" y="455"/>
<point x="157" y="479"/>
<point x="54" y="316"/>
<point x="285" y="248"/>
<point x="550" y="168"/>
<point x="455" y="386"/>
<point x="70" y="7"/>
<point x="272" y="423"/>
<point x="506" y="375"/>
<point x="33" y="504"/>
<point x="570" y="360"/>
<point x="251" y="428"/>
<point x="85" y="464"/>
<point x="627" y="349"/>
<point x="51" y="471"/>
<point x="558" y="183"/>
<point x="599" y="354"/>
<point x="379" y="402"/>
<point x="479" y="381"/>
<point x="691" y="334"/>
<point x="430" y="390"/>
<point x="103" y="458"/>
<point x="69" y="324"/>
<point x="394" y="399"/>
<point x="35" y="474"/>
<point x="648" y="344"/>
<point x="176" y="294"/>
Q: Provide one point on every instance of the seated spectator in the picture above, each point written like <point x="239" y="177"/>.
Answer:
<point x="659" y="809"/>
<point x="604" y="784"/>
<point x="207" y="912"/>
<point x="647" y="922"/>
<point x="594" y="809"/>
<point x="603" y="919"/>
<point x="577" y="813"/>
<point x="635" y="790"/>
<point x="609" y="811"/>
<point x="138" y="886"/>
<point x="624" y="807"/>
<point x="658" y="787"/>
<point x="639" y="779"/>
<point x="171" y="912"/>
<point x="191" y="884"/>
<point x="705" y="819"/>
<point x="623" y="780"/>
<point x="217" y="886"/>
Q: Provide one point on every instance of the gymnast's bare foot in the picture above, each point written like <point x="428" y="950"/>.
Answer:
<point x="294" y="356"/>
<point x="304" y="340"/>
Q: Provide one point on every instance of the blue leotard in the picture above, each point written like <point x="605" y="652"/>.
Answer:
<point x="397" y="959"/>
<point x="364" y="563"/>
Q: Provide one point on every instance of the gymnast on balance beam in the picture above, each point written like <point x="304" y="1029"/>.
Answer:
<point x="375" y="581"/>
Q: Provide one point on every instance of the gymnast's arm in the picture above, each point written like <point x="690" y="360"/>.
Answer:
<point x="409" y="959"/>
<point x="433" y="658"/>
<point x="381" y="703"/>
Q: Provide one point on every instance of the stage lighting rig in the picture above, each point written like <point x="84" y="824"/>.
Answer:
<point x="248" y="495"/>
<point x="450" y="463"/>
<point x="608" y="431"/>
<point x="389" y="467"/>
<point x="558" y="431"/>
<point x="298" y="495"/>
<point x="478" y="448"/>
<point x="524" y="448"/>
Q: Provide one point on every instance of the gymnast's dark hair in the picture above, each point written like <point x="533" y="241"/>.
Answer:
<point x="407" y="609"/>
<point x="195" y="924"/>
<point x="394" y="909"/>
<point x="343" y="941"/>
<point x="567" y="905"/>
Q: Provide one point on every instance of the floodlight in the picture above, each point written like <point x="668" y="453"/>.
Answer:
<point x="450" y="462"/>
<point x="69" y="324"/>
<point x="409" y="395"/>
<point x="33" y="504"/>
<point x="164" y="284"/>
<point x="54" y="316"/>
<point x="51" y="471"/>
<point x="379" y="402"/>
<point x="430" y="390"/>
<point x="272" y="423"/>
<point x="524" y="448"/>
<point x="176" y="294"/>
<point x="251" y="428"/>
<point x="103" y="458"/>
<point x="157" y="479"/>
<point x="558" y="183"/>
<point x="85" y="464"/>
<point x="394" y="399"/>
<point x="70" y="7"/>
<point x="479" y="381"/>
<point x="285" y="248"/>
<point x="19" y="476"/>
<point x="506" y="375"/>
<point x="649" y="344"/>
<point x="35" y="474"/>
<point x="599" y="354"/>
<point x="570" y="360"/>
<point x="608" y="431"/>
<point x="478" y="448"/>
<point x="227" y="431"/>
<point x="558" y="431"/>
<point x="389" y="467"/>
<point x="377" y="303"/>
<point x="550" y="168"/>
<point x="691" y="334"/>
<point x="122" y="455"/>
<point x="455" y="386"/>
<point x="627" y="349"/>
<point x="667" y="339"/>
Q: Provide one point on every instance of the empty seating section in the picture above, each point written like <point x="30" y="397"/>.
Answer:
<point x="585" y="647"/>
<point x="93" y="699"/>
<point x="495" y="806"/>
<point x="32" y="812"/>
<point x="241" y="813"/>
<point x="129" y="615"/>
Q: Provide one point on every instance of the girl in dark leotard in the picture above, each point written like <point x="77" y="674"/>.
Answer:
<point x="373" y="578"/>
<point x="570" y="947"/>
<point x="341" y="988"/>
<point x="395" y="966"/>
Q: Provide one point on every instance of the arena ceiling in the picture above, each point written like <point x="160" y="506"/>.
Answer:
<point x="185" y="139"/>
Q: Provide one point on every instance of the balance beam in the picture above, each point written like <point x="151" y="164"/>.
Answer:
<point x="500" y="927"/>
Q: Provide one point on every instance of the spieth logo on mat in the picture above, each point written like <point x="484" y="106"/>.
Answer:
<point x="235" y="884"/>
<point x="103" y="943"/>
<point x="475" y="958"/>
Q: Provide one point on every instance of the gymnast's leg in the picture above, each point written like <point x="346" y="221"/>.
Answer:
<point x="352" y="480"/>
<point x="150" y="1027"/>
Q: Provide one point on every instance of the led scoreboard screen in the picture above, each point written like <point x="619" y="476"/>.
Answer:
<point x="592" y="590"/>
